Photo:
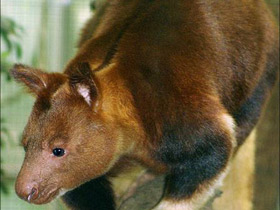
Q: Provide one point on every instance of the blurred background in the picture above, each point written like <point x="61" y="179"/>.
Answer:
<point x="39" y="33"/>
<point x="44" y="34"/>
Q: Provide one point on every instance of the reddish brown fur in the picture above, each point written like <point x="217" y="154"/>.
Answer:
<point x="158" y="68"/>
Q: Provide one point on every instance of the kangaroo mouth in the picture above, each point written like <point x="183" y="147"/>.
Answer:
<point x="43" y="197"/>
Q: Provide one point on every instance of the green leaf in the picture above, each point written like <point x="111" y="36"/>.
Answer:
<point x="7" y="41"/>
<point x="93" y="5"/>
<point x="18" y="50"/>
<point x="4" y="55"/>
<point x="3" y="186"/>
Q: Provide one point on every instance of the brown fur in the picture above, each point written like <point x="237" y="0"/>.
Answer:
<point x="159" y="83"/>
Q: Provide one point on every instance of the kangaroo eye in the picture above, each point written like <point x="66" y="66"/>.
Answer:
<point x="58" y="152"/>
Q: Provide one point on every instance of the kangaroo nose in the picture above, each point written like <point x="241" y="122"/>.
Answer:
<point x="33" y="194"/>
<point x="27" y="192"/>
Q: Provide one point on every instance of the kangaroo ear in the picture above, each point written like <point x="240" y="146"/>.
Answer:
<point x="35" y="80"/>
<point x="82" y="81"/>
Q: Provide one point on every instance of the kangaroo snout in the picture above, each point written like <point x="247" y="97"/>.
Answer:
<point x="27" y="190"/>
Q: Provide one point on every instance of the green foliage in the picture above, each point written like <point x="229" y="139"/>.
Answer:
<point x="93" y="5"/>
<point x="5" y="135"/>
<point x="10" y="35"/>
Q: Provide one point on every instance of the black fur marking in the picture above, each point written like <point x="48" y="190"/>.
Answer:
<point x="43" y="103"/>
<point x="93" y="195"/>
<point x="193" y="156"/>
<point x="248" y="114"/>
